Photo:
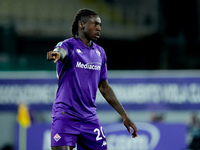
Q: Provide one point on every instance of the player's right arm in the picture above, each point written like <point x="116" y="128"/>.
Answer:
<point x="57" y="54"/>
<point x="108" y="93"/>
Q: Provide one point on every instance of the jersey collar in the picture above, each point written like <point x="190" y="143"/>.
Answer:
<point x="84" y="46"/>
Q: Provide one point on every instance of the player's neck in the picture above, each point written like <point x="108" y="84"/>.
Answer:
<point x="85" y="41"/>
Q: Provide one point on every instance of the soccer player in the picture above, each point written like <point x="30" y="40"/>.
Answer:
<point x="82" y="70"/>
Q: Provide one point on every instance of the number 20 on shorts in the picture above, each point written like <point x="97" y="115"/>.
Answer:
<point x="99" y="132"/>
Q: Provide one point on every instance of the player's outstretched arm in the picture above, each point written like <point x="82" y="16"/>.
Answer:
<point x="110" y="97"/>
<point x="51" y="55"/>
<point x="56" y="54"/>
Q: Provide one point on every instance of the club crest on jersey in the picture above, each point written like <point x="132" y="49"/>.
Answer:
<point x="59" y="44"/>
<point x="57" y="137"/>
<point x="98" y="53"/>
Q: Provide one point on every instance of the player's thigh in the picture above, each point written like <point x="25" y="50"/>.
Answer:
<point x="62" y="148"/>
<point x="92" y="137"/>
<point x="63" y="133"/>
<point x="63" y="139"/>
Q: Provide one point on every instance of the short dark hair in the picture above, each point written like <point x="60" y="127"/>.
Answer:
<point x="82" y="13"/>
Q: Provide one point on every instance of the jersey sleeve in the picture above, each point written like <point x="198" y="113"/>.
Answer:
<point x="62" y="45"/>
<point x="59" y="64"/>
<point x="103" y="74"/>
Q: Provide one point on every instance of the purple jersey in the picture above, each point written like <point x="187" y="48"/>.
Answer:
<point x="83" y="68"/>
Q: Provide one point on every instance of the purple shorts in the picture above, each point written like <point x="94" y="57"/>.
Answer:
<point x="69" y="132"/>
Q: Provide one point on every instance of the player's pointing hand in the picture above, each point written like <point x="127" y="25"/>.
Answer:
<point x="51" y="55"/>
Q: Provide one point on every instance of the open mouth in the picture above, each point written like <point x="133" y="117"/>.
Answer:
<point x="97" y="35"/>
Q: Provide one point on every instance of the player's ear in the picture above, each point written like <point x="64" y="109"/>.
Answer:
<point x="81" y="25"/>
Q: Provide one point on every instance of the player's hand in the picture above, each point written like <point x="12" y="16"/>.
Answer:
<point x="129" y="124"/>
<point x="51" y="55"/>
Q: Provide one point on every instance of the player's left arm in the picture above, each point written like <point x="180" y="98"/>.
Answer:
<point x="110" y="97"/>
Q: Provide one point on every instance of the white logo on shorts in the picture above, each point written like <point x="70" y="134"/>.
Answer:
<point x="104" y="143"/>
<point x="57" y="137"/>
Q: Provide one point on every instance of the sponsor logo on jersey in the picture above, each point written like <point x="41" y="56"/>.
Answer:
<point x="59" y="44"/>
<point x="79" y="51"/>
<point x="57" y="137"/>
<point x="98" y="53"/>
<point x="90" y="66"/>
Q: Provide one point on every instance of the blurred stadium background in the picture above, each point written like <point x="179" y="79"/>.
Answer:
<point x="156" y="42"/>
